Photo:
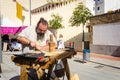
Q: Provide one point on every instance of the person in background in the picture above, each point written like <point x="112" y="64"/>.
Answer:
<point x="15" y="46"/>
<point x="5" y="41"/>
<point x="60" y="42"/>
<point x="36" y="38"/>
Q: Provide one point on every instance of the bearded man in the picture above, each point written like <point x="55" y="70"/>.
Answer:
<point x="36" y="38"/>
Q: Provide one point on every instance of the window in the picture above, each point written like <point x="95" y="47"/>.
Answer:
<point x="98" y="8"/>
<point x="96" y="0"/>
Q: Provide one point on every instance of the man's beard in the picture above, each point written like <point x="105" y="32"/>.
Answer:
<point x="40" y="36"/>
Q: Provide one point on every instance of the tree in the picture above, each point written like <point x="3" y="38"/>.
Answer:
<point x="55" y="23"/>
<point x="81" y="15"/>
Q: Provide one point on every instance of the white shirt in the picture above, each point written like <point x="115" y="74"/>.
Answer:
<point x="30" y="33"/>
<point x="61" y="44"/>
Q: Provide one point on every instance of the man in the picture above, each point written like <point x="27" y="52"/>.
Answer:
<point x="5" y="40"/>
<point x="36" y="38"/>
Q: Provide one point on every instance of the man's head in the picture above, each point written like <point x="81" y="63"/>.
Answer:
<point x="41" y="28"/>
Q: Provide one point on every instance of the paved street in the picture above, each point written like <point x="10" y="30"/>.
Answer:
<point x="95" y="69"/>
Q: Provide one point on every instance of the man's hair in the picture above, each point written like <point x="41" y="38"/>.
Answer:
<point x="43" y="21"/>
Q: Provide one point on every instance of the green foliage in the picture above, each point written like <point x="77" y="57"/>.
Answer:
<point x="80" y="15"/>
<point x="55" y="22"/>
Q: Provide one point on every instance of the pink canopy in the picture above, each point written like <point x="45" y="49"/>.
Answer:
<point x="11" y="30"/>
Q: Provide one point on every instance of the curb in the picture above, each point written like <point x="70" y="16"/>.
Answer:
<point x="95" y="55"/>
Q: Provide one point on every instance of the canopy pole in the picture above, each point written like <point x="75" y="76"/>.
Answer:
<point x="30" y="11"/>
<point x="0" y="43"/>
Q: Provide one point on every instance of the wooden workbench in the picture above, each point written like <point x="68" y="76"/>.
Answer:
<point x="45" y="63"/>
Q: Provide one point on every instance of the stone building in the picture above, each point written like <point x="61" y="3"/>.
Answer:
<point x="105" y="33"/>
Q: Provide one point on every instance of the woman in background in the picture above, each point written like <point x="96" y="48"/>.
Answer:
<point x="61" y="42"/>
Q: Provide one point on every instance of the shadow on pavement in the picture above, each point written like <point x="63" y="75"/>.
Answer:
<point x="15" y="78"/>
<point x="105" y="65"/>
<point x="81" y="61"/>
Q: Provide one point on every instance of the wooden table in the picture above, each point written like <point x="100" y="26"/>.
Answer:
<point x="45" y="63"/>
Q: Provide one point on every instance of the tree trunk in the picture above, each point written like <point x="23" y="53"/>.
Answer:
<point x="83" y="37"/>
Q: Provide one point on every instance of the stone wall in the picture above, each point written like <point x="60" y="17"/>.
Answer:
<point x="107" y="18"/>
<point x="110" y="17"/>
<point x="105" y="49"/>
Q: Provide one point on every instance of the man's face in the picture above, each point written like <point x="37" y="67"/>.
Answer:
<point x="41" y="30"/>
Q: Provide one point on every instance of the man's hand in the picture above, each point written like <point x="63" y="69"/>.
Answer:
<point x="38" y="47"/>
<point x="42" y="47"/>
<point x="32" y="44"/>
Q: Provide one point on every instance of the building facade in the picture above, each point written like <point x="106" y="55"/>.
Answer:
<point x="98" y="7"/>
<point x="105" y="34"/>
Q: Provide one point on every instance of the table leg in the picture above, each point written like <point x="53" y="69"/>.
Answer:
<point x="50" y="71"/>
<point x="23" y="75"/>
<point x="67" y="70"/>
<point x="0" y="68"/>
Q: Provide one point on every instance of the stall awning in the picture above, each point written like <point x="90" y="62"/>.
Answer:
<point x="11" y="30"/>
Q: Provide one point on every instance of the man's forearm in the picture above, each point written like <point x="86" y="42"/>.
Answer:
<point x="23" y="40"/>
